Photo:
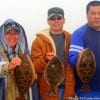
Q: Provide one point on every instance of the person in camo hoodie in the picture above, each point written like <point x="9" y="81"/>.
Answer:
<point x="12" y="41"/>
<point x="50" y="42"/>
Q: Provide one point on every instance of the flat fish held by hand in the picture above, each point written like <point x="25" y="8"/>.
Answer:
<point x="86" y="67"/>
<point x="24" y="76"/>
<point x="54" y="74"/>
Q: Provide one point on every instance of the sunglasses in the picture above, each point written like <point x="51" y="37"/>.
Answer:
<point x="56" y="18"/>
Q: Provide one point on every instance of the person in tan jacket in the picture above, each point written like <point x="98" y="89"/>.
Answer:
<point x="50" y="42"/>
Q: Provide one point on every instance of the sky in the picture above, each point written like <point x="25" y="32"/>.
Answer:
<point x="32" y="14"/>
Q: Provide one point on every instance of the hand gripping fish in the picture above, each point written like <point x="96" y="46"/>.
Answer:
<point x="24" y="75"/>
<point x="54" y="74"/>
<point x="86" y="67"/>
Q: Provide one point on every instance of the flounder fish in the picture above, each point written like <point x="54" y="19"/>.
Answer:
<point x="54" y="74"/>
<point x="24" y="75"/>
<point x="86" y="67"/>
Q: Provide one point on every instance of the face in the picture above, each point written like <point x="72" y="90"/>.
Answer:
<point x="93" y="17"/>
<point x="56" y="24"/>
<point x="12" y="38"/>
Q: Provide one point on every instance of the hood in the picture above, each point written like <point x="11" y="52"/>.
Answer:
<point x="22" y="43"/>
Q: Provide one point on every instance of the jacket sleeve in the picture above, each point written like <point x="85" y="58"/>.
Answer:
<point x="75" y="47"/>
<point x="37" y="54"/>
<point x="4" y="68"/>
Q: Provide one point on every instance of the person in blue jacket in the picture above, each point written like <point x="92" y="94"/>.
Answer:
<point x="88" y="36"/>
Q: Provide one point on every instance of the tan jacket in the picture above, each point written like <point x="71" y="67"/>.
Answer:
<point x="11" y="89"/>
<point x="40" y="46"/>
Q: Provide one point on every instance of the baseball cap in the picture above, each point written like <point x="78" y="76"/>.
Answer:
<point x="55" y="11"/>
<point x="10" y="26"/>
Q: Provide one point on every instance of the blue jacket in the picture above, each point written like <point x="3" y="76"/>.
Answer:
<point x="86" y="37"/>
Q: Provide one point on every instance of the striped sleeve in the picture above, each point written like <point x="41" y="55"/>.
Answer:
<point x="77" y="44"/>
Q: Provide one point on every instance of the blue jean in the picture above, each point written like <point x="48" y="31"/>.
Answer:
<point x="35" y="91"/>
<point x="61" y="93"/>
<point x="91" y="95"/>
<point x="2" y="88"/>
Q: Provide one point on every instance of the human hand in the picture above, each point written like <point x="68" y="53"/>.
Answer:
<point x="80" y="53"/>
<point x="49" y="56"/>
<point x="15" y="62"/>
